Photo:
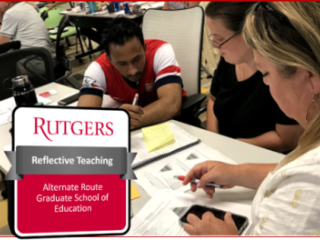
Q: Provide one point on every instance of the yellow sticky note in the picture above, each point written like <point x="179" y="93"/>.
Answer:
<point x="3" y="213"/>
<point x="204" y="90"/>
<point x="134" y="192"/>
<point x="157" y="136"/>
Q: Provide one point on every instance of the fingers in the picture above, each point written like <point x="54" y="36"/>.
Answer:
<point x="135" y="116"/>
<point x="210" y="195"/>
<point x="210" y="190"/>
<point x="228" y="219"/>
<point x="195" y="172"/>
<point x="206" y="178"/>
<point x="135" y="109"/>
<point x="189" y="229"/>
<point x="193" y="187"/>
<point x="193" y="221"/>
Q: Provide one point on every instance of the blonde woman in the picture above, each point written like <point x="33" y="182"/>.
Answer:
<point x="285" y="37"/>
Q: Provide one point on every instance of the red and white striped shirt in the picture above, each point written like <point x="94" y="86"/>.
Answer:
<point x="161" y="68"/>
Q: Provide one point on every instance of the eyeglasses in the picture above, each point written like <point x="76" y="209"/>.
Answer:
<point x="210" y="36"/>
<point x="282" y="18"/>
<point x="273" y="11"/>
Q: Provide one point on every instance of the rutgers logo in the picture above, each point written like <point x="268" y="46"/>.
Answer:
<point x="48" y="128"/>
<point x="149" y="86"/>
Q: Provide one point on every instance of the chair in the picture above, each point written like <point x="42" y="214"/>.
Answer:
<point x="52" y="19"/>
<point x="44" y="15"/>
<point x="183" y="30"/>
<point x="13" y="45"/>
<point x="11" y="65"/>
<point x="63" y="61"/>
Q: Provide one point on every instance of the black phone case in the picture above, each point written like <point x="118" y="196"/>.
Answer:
<point x="218" y="213"/>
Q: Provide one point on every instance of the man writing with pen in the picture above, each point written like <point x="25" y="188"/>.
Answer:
<point x="134" y="68"/>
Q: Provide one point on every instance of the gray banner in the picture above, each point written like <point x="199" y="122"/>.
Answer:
<point x="71" y="160"/>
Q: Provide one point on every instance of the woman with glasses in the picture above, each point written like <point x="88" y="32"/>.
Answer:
<point x="285" y="38"/>
<point x="240" y="104"/>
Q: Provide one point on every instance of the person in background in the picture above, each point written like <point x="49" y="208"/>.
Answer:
<point x="22" y="23"/>
<point x="179" y="5"/>
<point x="287" y="52"/>
<point x="130" y="66"/>
<point x="240" y="104"/>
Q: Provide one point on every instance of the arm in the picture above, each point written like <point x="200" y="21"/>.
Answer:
<point x="166" y="5"/>
<point x="166" y="107"/>
<point x="4" y="39"/>
<point x="192" y="4"/>
<point x="284" y="138"/>
<point x="89" y="100"/>
<point x="93" y="87"/>
<point x="168" y="86"/>
<point x="252" y="175"/>
<point x="8" y="28"/>
<point x="212" y="121"/>
<point x="52" y="5"/>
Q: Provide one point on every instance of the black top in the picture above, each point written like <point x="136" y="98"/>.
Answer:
<point x="244" y="109"/>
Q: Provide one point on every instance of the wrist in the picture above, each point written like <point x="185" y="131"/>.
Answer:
<point x="237" y="173"/>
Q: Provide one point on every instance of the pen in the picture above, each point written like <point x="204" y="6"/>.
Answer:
<point x="181" y="178"/>
<point x="135" y="100"/>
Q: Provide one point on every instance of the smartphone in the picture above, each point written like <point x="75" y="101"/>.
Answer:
<point x="68" y="100"/>
<point x="240" y="221"/>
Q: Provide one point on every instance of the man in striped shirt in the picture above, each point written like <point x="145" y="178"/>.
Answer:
<point x="130" y="66"/>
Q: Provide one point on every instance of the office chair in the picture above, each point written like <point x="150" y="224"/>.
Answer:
<point x="13" y="45"/>
<point x="44" y="15"/>
<point x="63" y="62"/>
<point x="14" y="62"/>
<point x="183" y="29"/>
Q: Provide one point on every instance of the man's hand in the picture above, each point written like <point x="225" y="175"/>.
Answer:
<point x="210" y="225"/>
<point x="135" y="113"/>
<point x="50" y="6"/>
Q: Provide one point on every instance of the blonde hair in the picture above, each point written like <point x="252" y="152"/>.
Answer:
<point x="289" y="43"/>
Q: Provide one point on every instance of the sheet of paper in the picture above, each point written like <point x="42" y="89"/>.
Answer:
<point x="160" y="215"/>
<point x="159" y="175"/>
<point x="9" y="104"/>
<point x="134" y="192"/>
<point x="157" y="136"/>
<point x="182" y="138"/>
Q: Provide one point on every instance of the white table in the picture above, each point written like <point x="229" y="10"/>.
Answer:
<point x="238" y="151"/>
<point x="5" y="138"/>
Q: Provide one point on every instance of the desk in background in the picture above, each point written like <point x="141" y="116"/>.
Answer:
<point x="98" y="21"/>
<point x="238" y="151"/>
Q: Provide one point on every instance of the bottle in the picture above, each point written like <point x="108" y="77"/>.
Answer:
<point x="82" y="6"/>
<point x="117" y="6"/>
<point x="23" y="91"/>
<point x="98" y="6"/>
<point x="126" y="8"/>
<point x="92" y="7"/>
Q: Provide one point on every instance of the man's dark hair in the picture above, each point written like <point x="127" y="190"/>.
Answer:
<point x="119" y="31"/>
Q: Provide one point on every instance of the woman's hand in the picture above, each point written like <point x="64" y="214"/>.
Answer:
<point x="212" y="171"/>
<point x="210" y="225"/>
